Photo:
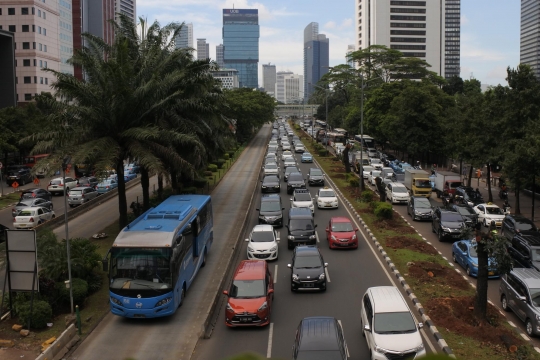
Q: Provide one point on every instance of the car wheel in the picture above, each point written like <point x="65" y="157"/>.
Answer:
<point x="439" y="235"/>
<point x="52" y="217"/>
<point x="293" y="289"/>
<point x="529" y="327"/>
<point x="504" y="303"/>
<point x="454" y="257"/>
<point x="468" y="271"/>
<point x="485" y="223"/>
<point x="324" y="288"/>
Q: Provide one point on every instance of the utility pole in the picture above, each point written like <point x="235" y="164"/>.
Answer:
<point x="65" y="164"/>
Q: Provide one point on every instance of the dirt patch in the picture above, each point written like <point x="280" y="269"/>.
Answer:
<point x="339" y="176"/>
<point x="396" y="225"/>
<point x="433" y="273"/>
<point x="457" y="315"/>
<point x="404" y="242"/>
<point x="338" y="169"/>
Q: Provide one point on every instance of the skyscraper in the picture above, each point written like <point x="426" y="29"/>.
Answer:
<point x="429" y="30"/>
<point x="203" y="49"/>
<point x="241" y="44"/>
<point x="269" y="78"/>
<point x="219" y="56"/>
<point x="350" y="50"/>
<point x="316" y="57"/>
<point x="529" y="50"/>
<point x="126" y="7"/>
<point x="8" y="88"/>
<point x="289" y="87"/>
<point x="184" y="39"/>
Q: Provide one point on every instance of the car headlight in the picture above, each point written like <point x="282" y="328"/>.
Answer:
<point x="322" y="276"/>
<point x="295" y="277"/>
<point x="274" y="248"/>
<point x="537" y="317"/>
<point x="116" y="301"/>
<point x="333" y="237"/>
<point x="474" y="265"/>
<point x="262" y="217"/>
<point x="354" y="237"/>
<point x="290" y="237"/>
<point x="229" y="307"/>
<point x="263" y="306"/>
<point x="250" y="249"/>
<point x="416" y="212"/>
<point x="264" y="187"/>
<point x="419" y="347"/>
<point x="312" y="237"/>
<point x="163" y="302"/>
<point x="380" y="350"/>
<point x="445" y="229"/>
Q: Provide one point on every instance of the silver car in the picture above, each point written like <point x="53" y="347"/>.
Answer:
<point x="32" y="202"/>
<point x="80" y="195"/>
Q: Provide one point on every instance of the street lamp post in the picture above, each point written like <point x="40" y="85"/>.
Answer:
<point x="65" y="164"/>
<point x="361" y="172"/>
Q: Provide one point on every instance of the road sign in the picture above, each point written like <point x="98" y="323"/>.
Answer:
<point x="36" y="181"/>
<point x="15" y="185"/>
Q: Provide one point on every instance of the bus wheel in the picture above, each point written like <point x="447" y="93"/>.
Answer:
<point x="204" y="259"/>
<point x="182" y="296"/>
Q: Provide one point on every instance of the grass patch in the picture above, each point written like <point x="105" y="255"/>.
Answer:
<point x="9" y="199"/>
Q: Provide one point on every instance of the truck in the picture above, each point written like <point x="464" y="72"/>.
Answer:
<point x="446" y="183"/>
<point x="417" y="181"/>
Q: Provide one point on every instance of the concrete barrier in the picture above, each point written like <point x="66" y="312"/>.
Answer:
<point x="61" y="346"/>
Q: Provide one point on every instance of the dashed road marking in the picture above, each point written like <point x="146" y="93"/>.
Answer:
<point x="512" y="324"/>
<point x="525" y="337"/>
<point x="270" y="336"/>
<point x="275" y="274"/>
<point x="327" y="275"/>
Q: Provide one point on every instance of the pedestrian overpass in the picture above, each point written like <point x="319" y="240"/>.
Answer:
<point x="296" y="110"/>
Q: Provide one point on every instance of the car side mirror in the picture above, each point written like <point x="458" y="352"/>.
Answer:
<point x="355" y="229"/>
<point x="420" y="325"/>
<point x="225" y="292"/>
<point x="257" y="209"/>
<point x="522" y="298"/>
<point x="271" y="291"/>
<point x="327" y="229"/>
<point x="289" y="265"/>
<point x="315" y="226"/>
<point x="367" y="328"/>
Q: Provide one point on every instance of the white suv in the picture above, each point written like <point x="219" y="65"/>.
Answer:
<point x="57" y="186"/>
<point x="397" y="193"/>
<point x="263" y="243"/>
<point x="389" y="326"/>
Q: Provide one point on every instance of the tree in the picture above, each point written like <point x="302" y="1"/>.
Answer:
<point x="454" y="86"/>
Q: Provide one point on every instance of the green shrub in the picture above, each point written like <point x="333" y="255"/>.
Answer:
<point x="322" y="152"/>
<point x="383" y="210"/>
<point x="220" y="162"/>
<point x="189" y="190"/>
<point x="212" y="167"/>
<point x="367" y="196"/>
<point x="200" y="183"/>
<point x="208" y="173"/>
<point x="40" y="316"/>
<point x="354" y="182"/>
<point x="94" y="282"/>
<point x="231" y="153"/>
<point x="226" y="156"/>
<point x="80" y="291"/>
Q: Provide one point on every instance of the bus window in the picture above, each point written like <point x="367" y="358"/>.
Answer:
<point x="31" y="160"/>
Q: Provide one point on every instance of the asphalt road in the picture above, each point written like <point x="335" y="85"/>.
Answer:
<point x="350" y="273"/>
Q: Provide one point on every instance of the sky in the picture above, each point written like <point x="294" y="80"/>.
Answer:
<point x="489" y="30"/>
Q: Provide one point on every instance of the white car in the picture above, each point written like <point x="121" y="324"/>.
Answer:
<point x="376" y="163"/>
<point x="273" y="143"/>
<point x="389" y="326"/>
<point x="488" y="213"/>
<point x="372" y="152"/>
<point x="289" y="162"/>
<point x="57" y="186"/>
<point x="286" y="154"/>
<point x="302" y="198"/>
<point x="271" y="169"/>
<point x="299" y="148"/>
<point x="263" y="243"/>
<point x="339" y="148"/>
<point x="397" y="193"/>
<point x="31" y="217"/>
<point x="285" y="146"/>
<point x="372" y="175"/>
<point x="327" y="198"/>
<point x="366" y="170"/>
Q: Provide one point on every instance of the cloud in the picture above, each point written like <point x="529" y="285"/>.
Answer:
<point x="346" y="23"/>
<point x="498" y="72"/>
<point x="473" y="50"/>
<point x="464" y="20"/>
<point x="330" y="25"/>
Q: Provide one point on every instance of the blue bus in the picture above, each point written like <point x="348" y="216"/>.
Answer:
<point x="154" y="260"/>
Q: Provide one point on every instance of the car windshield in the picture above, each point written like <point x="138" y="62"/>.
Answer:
<point x="302" y="197"/>
<point x="75" y="192"/>
<point x="394" y="323"/>
<point x="26" y="213"/>
<point x="472" y="252"/>
<point x="425" y="184"/>
<point x="271" y="166"/>
<point x="25" y="203"/>
<point x="270" y="206"/>
<point x="140" y="268"/>
<point x="303" y="262"/>
<point x="342" y="227"/>
<point x="455" y="185"/>
<point x="306" y="154"/>
<point x="316" y="172"/>
<point x="494" y="211"/>
<point x="262" y="236"/>
<point x="295" y="177"/>
<point x="422" y="204"/>
<point x="535" y="296"/>
<point x="270" y="179"/>
<point x="375" y="161"/>
<point x="327" y="193"/>
<point x="301" y="224"/>
<point x="399" y="190"/>
<point x="290" y="169"/>
<point x="245" y="289"/>
<point x="525" y="226"/>
<point x="463" y="210"/>
<point x="375" y="173"/>
<point x="451" y="217"/>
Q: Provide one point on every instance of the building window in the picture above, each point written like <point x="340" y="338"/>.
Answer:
<point x="41" y="80"/>
<point x="39" y="13"/>
<point x="45" y="48"/>
<point x="39" y="29"/>
<point x="46" y="81"/>
<point x="34" y="45"/>
<point x="26" y="46"/>
<point x="35" y="79"/>
<point x="412" y="40"/>
<point x="24" y="11"/>
<point x="11" y="11"/>
<point x="11" y="28"/>
<point x="44" y="14"/>
<point x="26" y="62"/>
<point x="26" y="28"/>
<point x="27" y="79"/>
<point x="45" y="64"/>
<point x="27" y="97"/>
<point x="408" y="47"/>
<point x="40" y="47"/>
<point x="33" y="28"/>
<point x="44" y="32"/>
<point x="407" y="32"/>
<point x="414" y="54"/>
<point x="35" y="62"/>
<point x="406" y="10"/>
<point x="407" y="18"/>
<point x="408" y="3"/>
<point x="40" y="63"/>
<point x="33" y="11"/>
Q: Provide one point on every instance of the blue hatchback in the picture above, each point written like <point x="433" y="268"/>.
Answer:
<point x="464" y="253"/>
<point x="307" y="158"/>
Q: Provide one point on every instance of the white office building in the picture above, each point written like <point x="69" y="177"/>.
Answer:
<point x="429" y="30"/>
<point x="228" y="78"/>
<point x="127" y="7"/>
<point x="289" y="87"/>
<point x="203" y="49"/>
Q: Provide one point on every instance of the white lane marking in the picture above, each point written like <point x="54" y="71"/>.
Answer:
<point x="275" y="274"/>
<point x="327" y="275"/>
<point x="317" y="235"/>
<point x="343" y="331"/>
<point x="270" y="335"/>
<point x="524" y="336"/>
<point x="537" y="349"/>
<point x="512" y="324"/>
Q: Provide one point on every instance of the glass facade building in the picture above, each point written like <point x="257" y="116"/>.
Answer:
<point x="452" y="38"/>
<point x="316" y="57"/>
<point x="241" y="44"/>
<point x="529" y="48"/>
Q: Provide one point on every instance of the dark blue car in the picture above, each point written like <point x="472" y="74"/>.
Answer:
<point x="464" y="253"/>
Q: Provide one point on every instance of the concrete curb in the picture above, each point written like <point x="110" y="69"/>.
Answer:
<point x="61" y="345"/>
<point x="427" y="320"/>
<point x="208" y="326"/>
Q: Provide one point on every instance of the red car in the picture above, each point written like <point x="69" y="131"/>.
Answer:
<point x="250" y="296"/>
<point x="341" y="233"/>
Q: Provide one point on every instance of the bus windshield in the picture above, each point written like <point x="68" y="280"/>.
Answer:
<point x="140" y="268"/>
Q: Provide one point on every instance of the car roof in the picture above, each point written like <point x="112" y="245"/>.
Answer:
<point x="250" y="270"/>
<point x="300" y="212"/>
<point x="263" y="228"/>
<point x="387" y="299"/>
<point x="81" y="188"/>
<point x="398" y="184"/>
<point x="31" y="208"/>
<point x="520" y="218"/>
<point x="318" y="333"/>
<point x="340" y="219"/>
<point x="529" y="276"/>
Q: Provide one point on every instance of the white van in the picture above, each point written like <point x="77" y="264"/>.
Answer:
<point x="389" y="326"/>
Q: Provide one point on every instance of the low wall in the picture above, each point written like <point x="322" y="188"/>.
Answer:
<point x="61" y="345"/>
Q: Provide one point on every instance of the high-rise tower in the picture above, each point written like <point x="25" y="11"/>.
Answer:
<point x="316" y="57"/>
<point x="529" y="49"/>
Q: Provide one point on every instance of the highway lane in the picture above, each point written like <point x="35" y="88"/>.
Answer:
<point x="350" y="273"/>
<point x="424" y="228"/>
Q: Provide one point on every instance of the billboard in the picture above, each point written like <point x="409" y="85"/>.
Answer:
<point x="241" y="16"/>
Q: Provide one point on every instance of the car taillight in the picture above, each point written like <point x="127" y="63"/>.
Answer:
<point x="33" y="195"/>
<point x="82" y="196"/>
<point x="61" y="185"/>
<point x="14" y="219"/>
<point x="31" y="219"/>
<point x="107" y="187"/>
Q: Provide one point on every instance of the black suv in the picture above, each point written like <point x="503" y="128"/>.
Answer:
<point x="295" y="181"/>
<point x="271" y="210"/>
<point x="518" y="224"/>
<point x="308" y="269"/>
<point x="447" y="224"/>
<point x="18" y="173"/>
<point x="319" y="338"/>
<point x="467" y="212"/>
<point x="315" y="177"/>
<point x="468" y="195"/>
<point x="301" y="227"/>
<point x="525" y="251"/>
<point x="270" y="183"/>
